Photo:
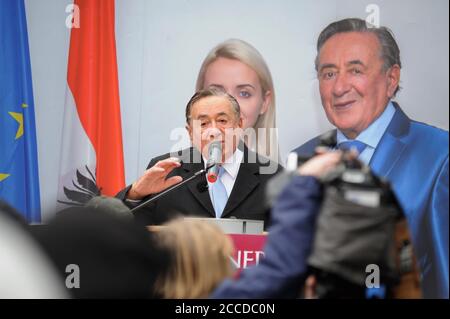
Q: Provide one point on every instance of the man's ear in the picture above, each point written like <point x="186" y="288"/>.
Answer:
<point x="240" y="122"/>
<point x="266" y="102"/>
<point x="393" y="80"/>
<point x="189" y="130"/>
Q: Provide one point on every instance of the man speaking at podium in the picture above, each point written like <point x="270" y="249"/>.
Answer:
<point x="234" y="189"/>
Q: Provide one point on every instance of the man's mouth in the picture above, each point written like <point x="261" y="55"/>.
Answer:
<point x="343" y="105"/>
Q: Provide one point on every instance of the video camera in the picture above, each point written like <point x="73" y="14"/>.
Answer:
<point x="362" y="246"/>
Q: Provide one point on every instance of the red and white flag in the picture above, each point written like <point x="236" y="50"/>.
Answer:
<point x="91" y="152"/>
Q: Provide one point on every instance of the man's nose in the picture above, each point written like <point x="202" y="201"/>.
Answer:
<point x="213" y="132"/>
<point x="212" y="135"/>
<point x="341" y="85"/>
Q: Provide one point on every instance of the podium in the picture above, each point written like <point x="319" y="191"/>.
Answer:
<point x="247" y="235"/>
<point x="235" y="226"/>
<point x="248" y="238"/>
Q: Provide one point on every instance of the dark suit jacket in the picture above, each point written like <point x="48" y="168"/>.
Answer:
<point x="246" y="201"/>
<point x="414" y="157"/>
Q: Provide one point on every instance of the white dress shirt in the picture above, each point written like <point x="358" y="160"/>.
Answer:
<point x="372" y="135"/>
<point x="231" y="170"/>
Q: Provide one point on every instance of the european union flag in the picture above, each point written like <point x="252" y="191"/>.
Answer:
<point x="19" y="179"/>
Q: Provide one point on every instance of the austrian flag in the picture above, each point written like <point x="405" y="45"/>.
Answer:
<point x="91" y="151"/>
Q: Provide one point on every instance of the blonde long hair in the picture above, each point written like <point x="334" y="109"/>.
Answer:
<point x="242" y="51"/>
<point x="201" y="258"/>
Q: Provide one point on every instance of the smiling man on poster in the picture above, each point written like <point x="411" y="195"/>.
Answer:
<point x="358" y="67"/>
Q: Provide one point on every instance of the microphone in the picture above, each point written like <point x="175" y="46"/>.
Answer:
<point x="214" y="159"/>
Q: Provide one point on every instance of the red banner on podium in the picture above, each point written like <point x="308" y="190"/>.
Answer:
<point x="248" y="250"/>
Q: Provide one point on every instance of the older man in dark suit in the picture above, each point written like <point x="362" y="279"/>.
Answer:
<point x="211" y="115"/>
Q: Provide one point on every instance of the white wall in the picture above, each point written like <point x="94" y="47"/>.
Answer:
<point x="49" y="42"/>
<point x="161" y="44"/>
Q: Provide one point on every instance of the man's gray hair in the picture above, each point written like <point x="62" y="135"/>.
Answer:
<point x="212" y="91"/>
<point x="390" y="52"/>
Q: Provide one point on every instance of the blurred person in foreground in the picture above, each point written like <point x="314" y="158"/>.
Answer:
<point x="200" y="260"/>
<point x="25" y="270"/>
<point x="283" y="270"/>
<point x="102" y="254"/>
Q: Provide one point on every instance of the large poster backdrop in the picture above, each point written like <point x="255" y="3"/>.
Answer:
<point x="161" y="46"/>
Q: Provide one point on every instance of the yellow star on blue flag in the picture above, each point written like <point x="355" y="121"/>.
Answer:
<point x="3" y="176"/>
<point x="19" y="118"/>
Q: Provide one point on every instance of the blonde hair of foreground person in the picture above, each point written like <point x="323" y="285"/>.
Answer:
<point x="200" y="258"/>
<point x="242" y="51"/>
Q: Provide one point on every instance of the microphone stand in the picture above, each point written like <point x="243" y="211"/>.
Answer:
<point x="168" y="190"/>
